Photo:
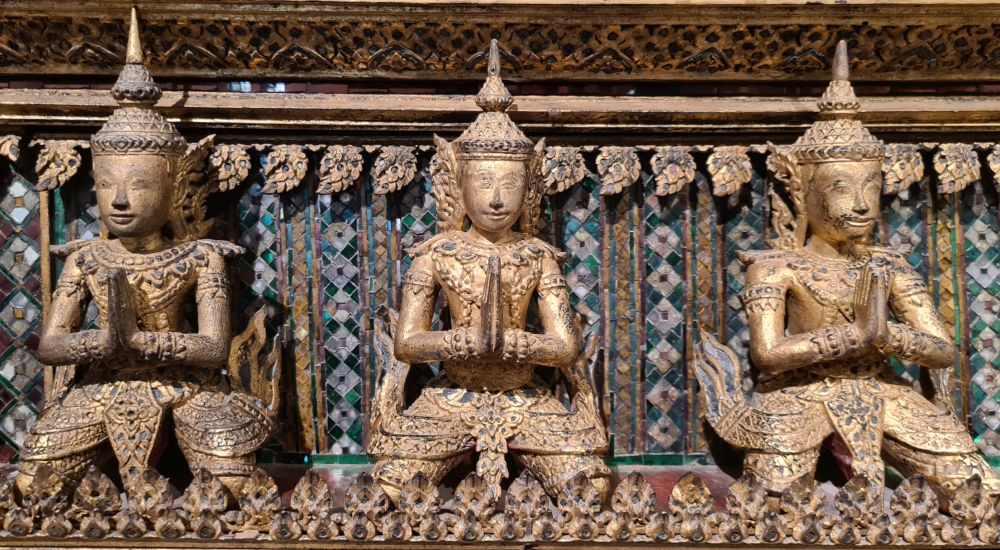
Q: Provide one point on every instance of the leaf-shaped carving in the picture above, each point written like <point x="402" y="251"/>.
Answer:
<point x="562" y="168"/>
<point x="229" y="165"/>
<point x="311" y="496"/>
<point x="150" y="494"/>
<point x="914" y="497"/>
<point x="690" y="496"/>
<point x="394" y="168"/>
<point x="259" y="499"/>
<point x="634" y="497"/>
<point x="339" y="168"/>
<point x="902" y="166"/>
<point x="284" y="168"/>
<point x="618" y="168"/>
<point x="188" y="220"/>
<point x="447" y="192"/>
<point x="9" y="147"/>
<point x="730" y="169"/>
<point x="366" y="497"/>
<point x="956" y="165"/>
<point x="970" y="502"/>
<point x="205" y="493"/>
<point x="474" y="495"/>
<point x="525" y="497"/>
<point x="673" y="168"/>
<point x="418" y="498"/>
<point x="859" y="501"/>
<point x="58" y="161"/>
<point x="97" y="494"/>
<point x="993" y="161"/>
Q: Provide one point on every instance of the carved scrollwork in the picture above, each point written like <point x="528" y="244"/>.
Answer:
<point x="562" y="168"/>
<point x="339" y="168"/>
<point x="902" y="166"/>
<point x="957" y="165"/>
<point x="284" y="168"/>
<point x="58" y="161"/>
<point x="673" y="168"/>
<point x="730" y="168"/>
<point x="395" y="167"/>
<point x="618" y="168"/>
<point x="993" y="161"/>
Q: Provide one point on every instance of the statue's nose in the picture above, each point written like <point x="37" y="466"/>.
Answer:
<point x="496" y="203"/>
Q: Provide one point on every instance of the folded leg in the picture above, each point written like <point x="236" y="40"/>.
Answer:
<point x="394" y="472"/>
<point x="555" y="471"/>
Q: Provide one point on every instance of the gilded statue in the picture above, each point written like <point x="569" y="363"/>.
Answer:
<point x="826" y="308"/>
<point x="489" y="397"/>
<point x="153" y="278"/>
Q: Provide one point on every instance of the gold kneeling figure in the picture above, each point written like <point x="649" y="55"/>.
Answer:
<point x="826" y="309"/>
<point x="488" y="397"/>
<point x="114" y="385"/>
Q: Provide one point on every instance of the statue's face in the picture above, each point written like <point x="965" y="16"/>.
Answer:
<point x="493" y="191"/>
<point x="134" y="193"/>
<point x="842" y="200"/>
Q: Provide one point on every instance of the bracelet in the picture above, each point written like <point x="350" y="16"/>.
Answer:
<point x="516" y="346"/>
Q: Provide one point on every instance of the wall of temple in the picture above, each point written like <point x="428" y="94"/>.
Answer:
<point x="658" y="125"/>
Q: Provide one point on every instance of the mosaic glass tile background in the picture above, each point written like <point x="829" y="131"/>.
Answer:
<point x="20" y="311"/>
<point x="323" y="264"/>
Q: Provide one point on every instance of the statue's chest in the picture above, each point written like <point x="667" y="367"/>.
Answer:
<point x="463" y="277"/>
<point x="156" y="283"/>
<point x="823" y="294"/>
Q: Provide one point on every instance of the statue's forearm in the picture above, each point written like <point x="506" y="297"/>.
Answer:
<point x="179" y="347"/>
<point x="81" y="347"/>
<point x="538" y="349"/>
<point x="437" y="345"/>
<point x="919" y="347"/>
<point x="831" y="343"/>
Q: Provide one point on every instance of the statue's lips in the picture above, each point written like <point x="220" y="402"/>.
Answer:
<point x="859" y="222"/>
<point x="122" y="218"/>
<point x="498" y="215"/>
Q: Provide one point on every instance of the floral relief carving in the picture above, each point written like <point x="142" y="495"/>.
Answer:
<point x="562" y="168"/>
<point x="673" y="168"/>
<point x="730" y="169"/>
<point x="957" y="165"/>
<point x="618" y="168"/>
<point x="395" y="167"/>
<point x="229" y="165"/>
<point x="339" y="168"/>
<point x="902" y="166"/>
<point x="284" y="168"/>
<point x="58" y="161"/>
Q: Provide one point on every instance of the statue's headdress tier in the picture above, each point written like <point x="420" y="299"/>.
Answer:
<point x="493" y="134"/>
<point x="135" y="126"/>
<point x="838" y="135"/>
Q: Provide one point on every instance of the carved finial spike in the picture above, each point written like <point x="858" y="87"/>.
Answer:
<point x="841" y="68"/>
<point x="134" y="52"/>
<point x="493" y="67"/>
<point x="493" y="96"/>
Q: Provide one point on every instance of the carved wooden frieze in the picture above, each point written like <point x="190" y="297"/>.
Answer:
<point x="284" y="168"/>
<point x="902" y="166"/>
<point x="673" y="168"/>
<point x="395" y="167"/>
<point x="618" y="168"/>
<point x="607" y="40"/>
<point x="339" y="168"/>
<point x="562" y="168"/>
<point x="957" y="165"/>
<point x="730" y="169"/>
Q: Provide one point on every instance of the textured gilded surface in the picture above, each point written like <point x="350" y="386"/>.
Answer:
<point x="488" y="397"/>
<point x="113" y="385"/>
<point x="825" y="308"/>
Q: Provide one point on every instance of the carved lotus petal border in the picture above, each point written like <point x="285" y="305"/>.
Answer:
<point x="229" y="165"/>
<point x="730" y="169"/>
<point x="58" y="161"/>
<point x="618" y="168"/>
<point x="562" y="168"/>
<point x="339" y="168"/>
<point x="284" y="168"/>
<point x="957" y="165"/>
<point x="673" y="168"/>
<point x="902" y="166"/>
<point x="394" y="168"/>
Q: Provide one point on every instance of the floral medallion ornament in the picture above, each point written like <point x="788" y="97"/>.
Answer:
<point x="340" y="168"/>
<point x="284" y="168"/>
<point x="957" y="165"/>
<point x="902" y="166"/>
<point x="395" y="168"/>
<point x="730" y="169"/>
<point x="230" y="165"/>
<point x="993" y="161"/>
<point x="673" y="168"/>
<point x="618" y="168"/>
<point x="58" y="161"/>
<point x="8" y="147"/>
<point x="562" y="168"/>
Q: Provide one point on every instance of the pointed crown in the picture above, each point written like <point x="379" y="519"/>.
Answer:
<point x="838" y="135"/>
<point x="493" y="134"/>
<point x="135" y="126"/>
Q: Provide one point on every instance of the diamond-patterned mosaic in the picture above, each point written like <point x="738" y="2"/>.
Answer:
<point x="665" y="387"/>
<point x="20" y="312"/>
<point x="339" y="228"/>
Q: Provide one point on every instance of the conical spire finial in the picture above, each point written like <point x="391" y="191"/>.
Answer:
<point x="838" y="100"/>
<point x="133" y="54"/>
<point x="134" y="84"/>
<point x="841" y="68"/>
<point x="493" y="96"/>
